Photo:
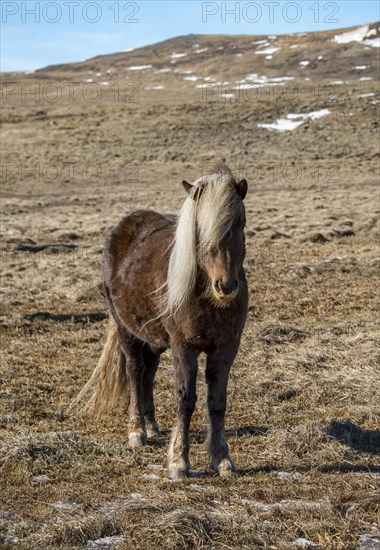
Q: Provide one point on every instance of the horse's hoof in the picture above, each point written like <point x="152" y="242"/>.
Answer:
<point x="224" y="467"/>
<point x="227" y="468"/>
<point x="178" y="472"/>
<point x="153" y="430"/>
<point x="137" y="439"/>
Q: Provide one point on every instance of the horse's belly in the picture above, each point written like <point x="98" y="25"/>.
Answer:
<point x="135" y="290"/>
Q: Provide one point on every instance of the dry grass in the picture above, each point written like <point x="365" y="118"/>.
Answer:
<point x="303" y="411"/>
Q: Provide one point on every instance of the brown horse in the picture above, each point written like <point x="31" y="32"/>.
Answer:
<point x="178" y="283"/>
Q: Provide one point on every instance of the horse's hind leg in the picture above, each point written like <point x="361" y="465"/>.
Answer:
<point x="217" y="372"/>
<point x="132" y="350"/>
<point x="151" y="361"/>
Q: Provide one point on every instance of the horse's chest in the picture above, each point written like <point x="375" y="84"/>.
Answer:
<point x="214" y="331"/>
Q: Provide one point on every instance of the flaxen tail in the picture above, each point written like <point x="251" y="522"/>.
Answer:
<point x="108" y="382"/>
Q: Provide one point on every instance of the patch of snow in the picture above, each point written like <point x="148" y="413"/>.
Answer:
<point x="357" y="35"/>
<point x="135" y="496"/>
<point x="313" y="115"/>
<point x="106" y="542"/>
<point x="368" y="542"/>
<point x="139" y="67"/>
<point x="198" y="487"/>
<point x="39" y="480"/>
<point x="272" y="37"/>
<point x="304" y="63"/>
<point x="372" y="32"/>
<point x="192" y="77"/>
<point x="269" y="57"/>
<point x="267" y="51"/>
<point x="65" y="505"/>
<point x="227" y="96"/>
<point x="108" y="71"/>
<point x="294" y="46"/>
<point x="281" y="125"/>
<point x="220" y="48"/>
<point x="176" y="55"/>
<point x="371" y="94"/>
<point x="150" y="476"/>
<point x="164" y="70"/>
<point x="291" y="122"/>
<point x="305" y="543"/>
<point x="239" y="54"/>
<point x="158" y="87"/>
<point x="105" y="83"/>
<point x="265" y="81"/>
<point x="360" y="67"/>
<point x="320" y="57"/>
<point x="373" y="42"/>
<point x="366" y="78"/>
<point x="201" y="50"/>
<point x="281" y="78"/>
<point x="337" y="82"/>
<point x="153" y="466"/>
<point x="260" y="42"/>
<point x="89" y="80"/>
<point x="260" y="506"/>
<point x="98" y="74"/>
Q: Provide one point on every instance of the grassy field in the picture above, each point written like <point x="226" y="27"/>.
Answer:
<point x="303" y="415"/>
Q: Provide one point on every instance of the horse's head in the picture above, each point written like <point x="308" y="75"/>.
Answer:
<point x="220" y="222"/>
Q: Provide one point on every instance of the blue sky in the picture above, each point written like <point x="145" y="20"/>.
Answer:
<point x="45" y="32"/>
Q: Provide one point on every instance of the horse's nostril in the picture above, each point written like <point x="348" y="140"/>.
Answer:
<point x="228" y="288"/>
<point x="217" y="284"/>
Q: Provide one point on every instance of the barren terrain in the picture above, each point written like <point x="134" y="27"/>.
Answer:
<point x="303" y="414"/>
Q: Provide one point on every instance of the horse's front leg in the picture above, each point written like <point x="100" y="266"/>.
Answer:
<point x="217" y="372"/>
<point x="185" y="369"/>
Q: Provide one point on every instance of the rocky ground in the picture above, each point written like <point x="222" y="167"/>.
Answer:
<point x="83" y="145"/>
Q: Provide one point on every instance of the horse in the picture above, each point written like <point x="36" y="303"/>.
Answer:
<point x="179" y="283"/>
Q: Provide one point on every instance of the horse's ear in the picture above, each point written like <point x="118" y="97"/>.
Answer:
<point x="193" y="192"/>
<point x="187" y="186"/>
<point x="242" y="187"/>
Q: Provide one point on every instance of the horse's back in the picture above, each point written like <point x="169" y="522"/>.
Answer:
<point x="131" y="231"/>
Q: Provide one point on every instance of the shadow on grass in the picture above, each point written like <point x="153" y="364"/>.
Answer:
<point x="365" y="441"/>
<point x="63" y="317"/>
<point x="343" y="467"/>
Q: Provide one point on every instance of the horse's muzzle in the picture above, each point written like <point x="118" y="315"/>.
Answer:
<point x="225" y="292"/>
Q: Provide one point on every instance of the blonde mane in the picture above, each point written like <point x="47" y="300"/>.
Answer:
<point x="205" y="218"/>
